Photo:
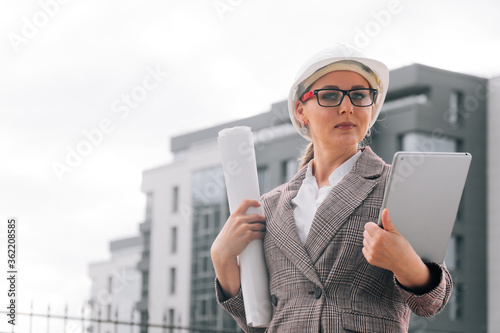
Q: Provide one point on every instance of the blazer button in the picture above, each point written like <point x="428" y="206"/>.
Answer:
<point x="317" y="293"/>
<point x="274" y="300"/>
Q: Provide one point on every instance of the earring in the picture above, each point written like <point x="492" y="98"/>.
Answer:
<point x="303" y="129"/>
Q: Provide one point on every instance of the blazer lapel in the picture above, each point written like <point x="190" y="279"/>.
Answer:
<point x="283" y="229"/>
<point x="342" y="201"/>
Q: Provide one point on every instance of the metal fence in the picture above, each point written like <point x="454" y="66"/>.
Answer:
<point x="82" y="323"/>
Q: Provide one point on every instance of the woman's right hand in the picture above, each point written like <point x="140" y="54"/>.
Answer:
<point x="238" y="231"/>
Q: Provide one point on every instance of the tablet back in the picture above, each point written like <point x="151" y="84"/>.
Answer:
<point x="423" y="194"/>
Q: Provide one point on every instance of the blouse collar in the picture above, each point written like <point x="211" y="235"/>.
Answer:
<point x="337" y="174"/>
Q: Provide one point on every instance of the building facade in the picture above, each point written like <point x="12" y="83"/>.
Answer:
<point x="116" y="286"/>
<point x="493" y="203"/>
<point x="426" y="109"/>
<point x="429" y="109"/>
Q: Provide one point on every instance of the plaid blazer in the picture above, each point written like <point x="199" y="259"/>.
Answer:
<point x="327" y="285"/>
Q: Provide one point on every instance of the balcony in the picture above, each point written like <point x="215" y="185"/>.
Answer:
<point x="142" y="306"/>
<point x="145" y="227"/>
<point x="143" y="265"/>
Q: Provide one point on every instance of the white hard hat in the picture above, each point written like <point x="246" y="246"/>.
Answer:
<point x="335" y="58"/>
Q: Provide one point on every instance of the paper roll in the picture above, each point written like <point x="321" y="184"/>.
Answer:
<point x="240" y="173"/>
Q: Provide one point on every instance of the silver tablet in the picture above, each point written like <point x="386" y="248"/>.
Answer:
<point x="423" y="195"/>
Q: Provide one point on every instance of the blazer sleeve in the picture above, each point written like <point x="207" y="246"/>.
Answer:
<point x="236" y="308"/>
<point x="430" y="302"/>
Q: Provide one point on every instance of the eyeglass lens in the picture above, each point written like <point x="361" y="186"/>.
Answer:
<point x="333" y="97"/>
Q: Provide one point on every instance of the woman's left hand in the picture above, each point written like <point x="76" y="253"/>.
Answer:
<point x="387" y="248"/>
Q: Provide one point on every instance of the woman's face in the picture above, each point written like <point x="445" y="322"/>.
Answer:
<point x="342" y="126"/>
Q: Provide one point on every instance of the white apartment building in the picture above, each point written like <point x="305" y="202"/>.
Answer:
<point x="169" y="189"/>
<point x="116" y="286"/>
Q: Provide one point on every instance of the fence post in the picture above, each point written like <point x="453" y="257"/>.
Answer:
<point x="48" y="318"/>
<point x="83" y="323"/>
<point x="116" y="319"/>
<point x="165" y="321"/>
<point x="65" y="316"/>
<point x="99" y="319"/>
<point x="132" y="319"/>
<point x="31" y="316"/>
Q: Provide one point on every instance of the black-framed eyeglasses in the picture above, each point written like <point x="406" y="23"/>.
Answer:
<point x="333" y="97"/>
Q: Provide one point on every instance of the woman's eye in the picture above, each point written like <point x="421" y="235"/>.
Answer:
<point x="358" y="95"/>
<point x="332" y="95"/>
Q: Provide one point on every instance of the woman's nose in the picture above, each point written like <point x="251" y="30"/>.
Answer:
<point x="346" y="106"/>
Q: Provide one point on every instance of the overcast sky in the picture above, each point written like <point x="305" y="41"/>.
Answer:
<point x="67" y="67"/>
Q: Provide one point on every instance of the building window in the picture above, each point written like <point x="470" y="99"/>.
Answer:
<point x="203" y="308"/>
<point x="205" y="264"/>
<point x="110" y="284"/>
<point x="456" y="302"/>
<point x="214" y="307"/>
<point x="454" y="253"/>
<point x="145" y="285"/>
<point x="206" y="221"/>
<point x="217" y="219"/>
<point x="175" y="199"/>
<point x="171" y="320"/>
<point x="173" y="239"/>
<point x="264" y="177"/>
<point x="208" y="187"/>
<point x="149" y="206"/>
<point x="147" y="241"/>
<point x="172" y="281"/>
<point x="416" y="141"/>
<point x="452" y="116"/>
<point x="144" y="321"/>
<point x="288" y="169"/>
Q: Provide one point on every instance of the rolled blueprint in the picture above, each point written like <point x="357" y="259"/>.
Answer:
<point x="240" y="173"/>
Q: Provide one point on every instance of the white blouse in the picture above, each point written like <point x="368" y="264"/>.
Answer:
<point x="309" y="197"/>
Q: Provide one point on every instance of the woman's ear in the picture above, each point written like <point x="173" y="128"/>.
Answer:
<point x="299" y="112"/>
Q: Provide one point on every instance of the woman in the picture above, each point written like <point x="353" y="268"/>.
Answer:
<point x="331" y="268"/>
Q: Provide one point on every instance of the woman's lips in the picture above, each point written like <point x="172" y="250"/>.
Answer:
<point x="345" y="126"/>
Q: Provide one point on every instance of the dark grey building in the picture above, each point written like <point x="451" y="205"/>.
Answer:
<point x="429" y="109"/>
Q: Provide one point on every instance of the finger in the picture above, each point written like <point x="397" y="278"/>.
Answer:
<point x="243" y="223"/>
<point x="245" y="204"/>
<point x="366" y="254"/>
<point x="255" y="231"/>
<point x="366" y="243"/>
<point x="387" y="222"/>
<point x="372" y="228"/>
<point x="258" y="235"/>
<point x="367" y="239"/>
<point x="255" y="218"/>
<point x="257" y="226"/>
